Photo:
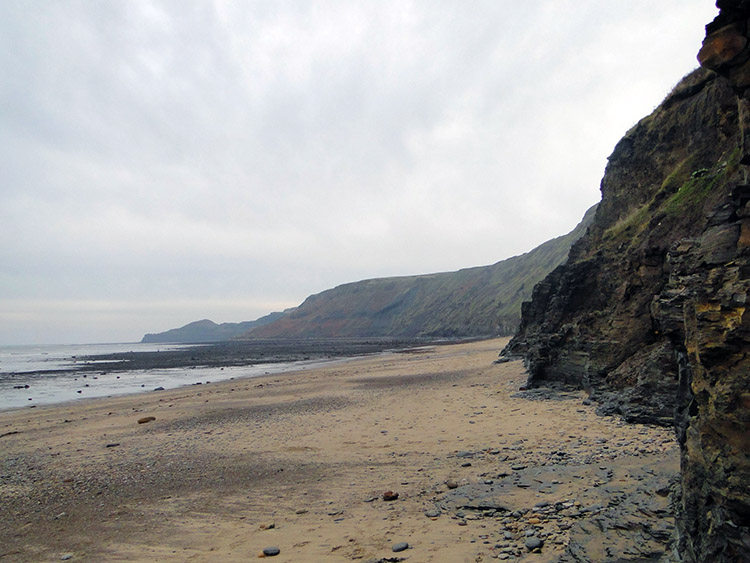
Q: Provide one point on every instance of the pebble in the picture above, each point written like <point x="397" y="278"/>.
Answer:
<point x="66" y="557"/>
<point x="432" y="513"/>
<point x="145" y="419"/>
<point x="390" y="495"/>
<point x="271" y="551"/>
<point x="533" y="543"/>
<point x="401" y="546"/>
<point x="451" y="484"/>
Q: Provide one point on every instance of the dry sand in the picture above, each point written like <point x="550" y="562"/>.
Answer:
<point x="301" y="460"/>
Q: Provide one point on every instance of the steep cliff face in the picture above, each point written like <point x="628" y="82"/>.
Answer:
<point x="649" y="313"/>
<point x="592" y="321"/>
<point x="481" y="301"/>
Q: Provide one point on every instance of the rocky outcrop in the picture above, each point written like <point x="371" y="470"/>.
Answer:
<point x="208" y="331"/>
<point x="473" y="302"/>
<point x="649" y="313"/>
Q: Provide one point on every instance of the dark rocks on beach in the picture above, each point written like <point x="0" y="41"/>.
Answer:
<point x="271" y="551"/>
<point x="533" y="542"/>
<point x="159" y="388"/>
<point x="390" y="495"/>
<point x="401" y="546"/>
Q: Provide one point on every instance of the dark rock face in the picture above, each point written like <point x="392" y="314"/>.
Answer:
<point x="649" y="313"/>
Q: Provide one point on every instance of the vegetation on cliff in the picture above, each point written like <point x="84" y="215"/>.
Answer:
<point x="649" y="312"/>
<point x="481" y="301"/>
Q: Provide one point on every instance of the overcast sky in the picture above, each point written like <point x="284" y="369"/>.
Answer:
<point x="164" y="162"/>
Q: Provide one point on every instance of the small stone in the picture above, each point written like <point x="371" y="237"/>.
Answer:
<point x="271" y="551"/>
<point x="145" y="419"/>
<point x="533" y="542"/>
<point x="301" y="511"/>
<point x="390" y="495"/>
<point x="159" y="388"/>
<point x="508" y="535"/>
<point x="451" y="484"/>
<point x="112" y="445"/>
<point x="401" y="546"/>
<point x="432" y="513"/>
<point x="66" y="557"/>
<point x="270" y="526"/>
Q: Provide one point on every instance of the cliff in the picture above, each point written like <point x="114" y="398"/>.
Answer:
<point x="649" y="312"/>
<point x="207" y="331"/>
<point x="481" y="301"/>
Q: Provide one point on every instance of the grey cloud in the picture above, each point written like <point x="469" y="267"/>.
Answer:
<point x="256" y="152"/>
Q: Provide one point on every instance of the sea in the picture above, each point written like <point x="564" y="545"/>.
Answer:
<point x="41" y="375"/>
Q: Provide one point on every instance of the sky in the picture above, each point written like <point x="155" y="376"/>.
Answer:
<point x="165" y="162"/>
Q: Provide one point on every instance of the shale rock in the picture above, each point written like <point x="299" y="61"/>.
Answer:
<point x="649" y="313"/>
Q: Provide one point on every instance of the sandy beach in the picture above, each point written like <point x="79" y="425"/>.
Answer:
<point x="301" y="461"/>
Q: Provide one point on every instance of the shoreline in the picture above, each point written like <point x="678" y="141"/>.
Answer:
<point x="171" y="379"/>
<point x="301" y="460"/>
<point x="116" y="373"/>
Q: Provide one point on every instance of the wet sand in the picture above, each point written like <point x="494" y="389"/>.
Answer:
<point x="300" y="461"/>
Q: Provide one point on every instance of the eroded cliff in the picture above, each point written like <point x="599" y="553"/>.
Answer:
<point x="473" y="302"/>
<point x="649" y="312"/>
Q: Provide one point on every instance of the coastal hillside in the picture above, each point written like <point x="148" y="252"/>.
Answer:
<point x="649" y="314"/>
<point x="207" y="331"/>
<point x="481" y="301"/>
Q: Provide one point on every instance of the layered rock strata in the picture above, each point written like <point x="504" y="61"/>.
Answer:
<point x="649" y="313"/>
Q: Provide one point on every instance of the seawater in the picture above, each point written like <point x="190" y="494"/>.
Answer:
<point x="18" y="364"/>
